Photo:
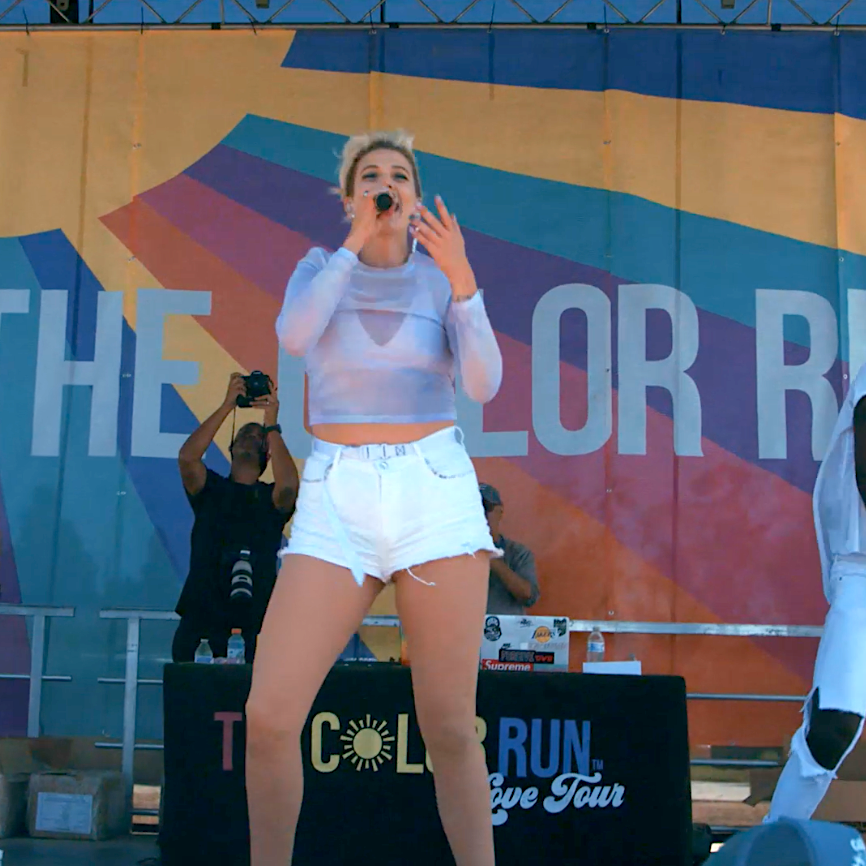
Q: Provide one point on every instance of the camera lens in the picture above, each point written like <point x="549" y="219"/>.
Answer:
<point x="242" y="580"/>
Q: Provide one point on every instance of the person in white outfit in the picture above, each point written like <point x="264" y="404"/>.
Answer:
<point x="836" y="706"/>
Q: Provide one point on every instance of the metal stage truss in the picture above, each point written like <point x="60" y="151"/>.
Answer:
<point x="603" y="15"/>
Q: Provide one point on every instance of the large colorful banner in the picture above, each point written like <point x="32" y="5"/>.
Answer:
<point x="670" y="232"/>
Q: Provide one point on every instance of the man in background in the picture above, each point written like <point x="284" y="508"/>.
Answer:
<point x="238" y="528"/>
<point x="513" y="582"/>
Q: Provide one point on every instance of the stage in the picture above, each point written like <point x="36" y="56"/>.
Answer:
<point x="715" y="803"/>
<point x="129" y="851"/>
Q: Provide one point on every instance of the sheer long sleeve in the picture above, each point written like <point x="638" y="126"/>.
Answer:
<point x="314" y="290"/>
<point x="475" y="348"/>
<point x="860" y="447"/>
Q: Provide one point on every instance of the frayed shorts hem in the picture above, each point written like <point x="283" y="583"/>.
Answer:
<point x="377" y="573"/>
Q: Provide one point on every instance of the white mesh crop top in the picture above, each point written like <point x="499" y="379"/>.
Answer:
<point x="382" y="345"/>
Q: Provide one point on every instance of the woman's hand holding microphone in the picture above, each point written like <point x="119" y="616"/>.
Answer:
<point x="363" y="223"/>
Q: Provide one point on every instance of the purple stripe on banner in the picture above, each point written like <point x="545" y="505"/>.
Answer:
<point x="516" y="277"/>
<point x="252" y="245"/>
<point x="292" y="199"/>
<point x="724" y="372"/>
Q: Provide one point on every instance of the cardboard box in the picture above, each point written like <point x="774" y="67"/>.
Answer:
<point x="845" y="801"/>
<point x="16" y="765"/>
<point x="13" y="804"/>
<point x="88" y="805"/>
<point x="27" y="755"/>
<point x="525" y="643"/>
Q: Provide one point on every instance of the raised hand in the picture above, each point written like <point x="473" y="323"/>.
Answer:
<point x="271" y="405"/>
<point x="237" y="388"/>
<point x="443" y="240"/>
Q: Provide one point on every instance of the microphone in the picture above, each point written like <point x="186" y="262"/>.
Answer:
<point x="384" y="201"/>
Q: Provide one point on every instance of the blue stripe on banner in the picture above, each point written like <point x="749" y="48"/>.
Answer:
<point x="64" y="513"/>
<point x="720" y="265"/>
<point x="56" y="264"/>
<point x="792" y="71"/>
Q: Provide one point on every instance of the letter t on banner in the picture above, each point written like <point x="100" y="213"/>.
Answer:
<point x="228" y="722"/>
<point x="53" y="372"/>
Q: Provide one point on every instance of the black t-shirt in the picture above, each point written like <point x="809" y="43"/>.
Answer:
<point x="230" y="517"/>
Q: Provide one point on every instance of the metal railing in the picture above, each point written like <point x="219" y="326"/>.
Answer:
<point x="683" y="629"/>
<point x="131" y="681"/>
<point x="37" y="675"/>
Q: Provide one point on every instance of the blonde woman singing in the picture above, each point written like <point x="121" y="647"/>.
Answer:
<point x="388" y="493"/>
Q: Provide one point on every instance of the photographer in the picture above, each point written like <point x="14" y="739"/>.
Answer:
<point x="238" y="525"/>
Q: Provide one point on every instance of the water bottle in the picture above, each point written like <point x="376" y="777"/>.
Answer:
<point x="204" y="654"/>
<point x="236" y="654"/>
<point x="595" y="646"/>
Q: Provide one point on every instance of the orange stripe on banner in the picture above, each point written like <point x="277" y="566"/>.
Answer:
<point x="673" y="510"/>
<point x="241" y="314"/>
<point x="609" y="577"/>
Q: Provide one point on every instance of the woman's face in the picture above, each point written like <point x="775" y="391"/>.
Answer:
<point x="382" y="170"/>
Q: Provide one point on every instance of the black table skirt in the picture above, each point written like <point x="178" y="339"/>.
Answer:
<point x="369" y="796"/>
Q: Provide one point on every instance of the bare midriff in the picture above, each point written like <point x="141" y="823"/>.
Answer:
<point x="377" y="434"/>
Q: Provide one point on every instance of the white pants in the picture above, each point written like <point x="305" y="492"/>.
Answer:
<point x="840" y="678"/>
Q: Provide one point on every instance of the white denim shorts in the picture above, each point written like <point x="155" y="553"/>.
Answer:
<point x="380" y="509"/>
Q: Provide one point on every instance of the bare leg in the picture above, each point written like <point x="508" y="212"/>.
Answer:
<point x="444" y="678"/>
<point x="314" y="610"/>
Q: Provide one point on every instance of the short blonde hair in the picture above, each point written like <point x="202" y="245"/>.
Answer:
<point x="358" y="146"/>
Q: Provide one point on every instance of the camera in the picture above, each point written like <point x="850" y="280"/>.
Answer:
<point x="258" y="384"/>
<point x="242" y="578"/>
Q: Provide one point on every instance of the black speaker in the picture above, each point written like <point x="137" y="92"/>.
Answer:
<point x="702" y="843"/>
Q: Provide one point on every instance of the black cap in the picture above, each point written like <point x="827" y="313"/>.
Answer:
<point x="806" y="843"/>
<point x="489" y="495"/>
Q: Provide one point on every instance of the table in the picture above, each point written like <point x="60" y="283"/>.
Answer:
<point x="588" y="769"/>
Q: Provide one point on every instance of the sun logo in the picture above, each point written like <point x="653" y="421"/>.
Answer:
<point x="367" y="744"/>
